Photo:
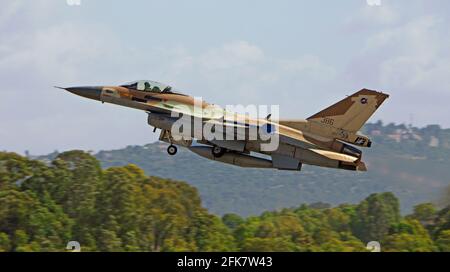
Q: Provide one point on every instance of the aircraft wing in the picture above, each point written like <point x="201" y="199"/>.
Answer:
<point x="241" y="132"/>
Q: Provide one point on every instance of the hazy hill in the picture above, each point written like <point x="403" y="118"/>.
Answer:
<point x="411" y="162"/>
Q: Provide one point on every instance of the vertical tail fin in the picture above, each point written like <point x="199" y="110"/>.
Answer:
<point x="351" y="113"/>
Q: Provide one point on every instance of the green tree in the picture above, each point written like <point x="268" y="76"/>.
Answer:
<point x="110" y="241"/>
<point x="257" y="244"/>
<point x="338" y="220"/>
<point x="210" y="233"/>
<point x="118" y="204"/>
<point x="443" y="241"/>
<point x="232" y="220"/>
<point x="81" y="194"/>
<point x="374" y="217"/>
<point x="5" y="244"/>
<point x="14" y="169"/>
<point x="425" y="213"/>
<point x="408" y="236"/>
<point x="38" y="223"/>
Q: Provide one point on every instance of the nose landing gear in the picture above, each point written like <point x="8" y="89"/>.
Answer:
<point x="172" y="150"/>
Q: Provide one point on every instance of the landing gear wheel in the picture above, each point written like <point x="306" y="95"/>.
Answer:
<point x="172" y="150"/>
<point x="218" y="151"/>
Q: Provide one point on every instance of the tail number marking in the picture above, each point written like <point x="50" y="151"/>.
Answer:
<point x="328" y="121"/>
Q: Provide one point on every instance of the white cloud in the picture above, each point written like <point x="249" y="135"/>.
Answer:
<point x="420" y="58"/>
<point x="411" y="61"/>
<point x="231" y="56"/>
<point x="311" y="65"/>
<point x="238" y="72"/>
<point x="56" y="52"/>
<point x="9" y="10"/>
<point x="372" y="17"/>
<point x="409" y="57"/>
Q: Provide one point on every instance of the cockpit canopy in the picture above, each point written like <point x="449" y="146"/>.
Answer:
<point x="148" y="86"/>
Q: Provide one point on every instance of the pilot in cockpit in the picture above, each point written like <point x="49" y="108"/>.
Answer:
<point x="148" y="86"/>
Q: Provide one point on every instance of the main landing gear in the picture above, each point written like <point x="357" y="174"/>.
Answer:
<point x="218" y="151"/>
<point x="172" y="150"/>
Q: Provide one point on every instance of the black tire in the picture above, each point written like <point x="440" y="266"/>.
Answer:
<point x="218" y="151"/>
<point x="172" y="150"/>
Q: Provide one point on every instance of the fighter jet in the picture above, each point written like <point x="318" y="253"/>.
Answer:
<point x="327" y="138"/>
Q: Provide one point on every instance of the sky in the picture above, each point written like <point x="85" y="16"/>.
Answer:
<point x="300" y="55"/>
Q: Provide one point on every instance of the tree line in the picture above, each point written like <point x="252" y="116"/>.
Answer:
<point x="43" y="206"/>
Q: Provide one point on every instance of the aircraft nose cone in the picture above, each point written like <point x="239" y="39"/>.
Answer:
<point x="88" y="92"/>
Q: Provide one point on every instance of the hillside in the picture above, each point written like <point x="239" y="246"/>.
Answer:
<point x="410" y="162"/>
